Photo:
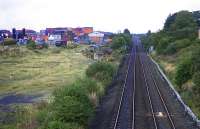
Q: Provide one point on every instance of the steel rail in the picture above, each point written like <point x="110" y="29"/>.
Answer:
<point x="148" y="93"/>
<point x="134" y="88"/>
<point x="121" y="99"/>
<point x="162" y="98"/>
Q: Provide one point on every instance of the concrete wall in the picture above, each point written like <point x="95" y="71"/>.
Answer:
<point x="199" y="33"/>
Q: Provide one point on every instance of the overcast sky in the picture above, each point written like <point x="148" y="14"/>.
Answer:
<point x="106" y="15"/>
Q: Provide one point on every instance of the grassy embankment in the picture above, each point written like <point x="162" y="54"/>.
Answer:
<point x="177" y="50"/>
<point x="169" y="64"/>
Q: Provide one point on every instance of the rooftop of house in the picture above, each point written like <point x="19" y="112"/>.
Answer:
<point x="5" y="31"/>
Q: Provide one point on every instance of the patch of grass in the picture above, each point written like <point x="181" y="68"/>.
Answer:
<point x="41" y="71"/>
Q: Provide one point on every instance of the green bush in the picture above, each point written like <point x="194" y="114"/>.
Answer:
<point x="174" y="47"/>
<point x="71" y="104"/>
<point x="88" y="83"/>
<point x="162" y="45"/>
<point x="31" y="44"/>
<point x="183" y="72"/>
<point x="182" y="43"/>
<point x="71" y="90"/>
<point x="196" y="80"/>
<point x="195" y="57"/>
<point x="61" y="125"/>
<point x="101" y="71"/>
<point x="41" y="116"/>
<point x="72" y="109"/>
<point x="171" y="49"/>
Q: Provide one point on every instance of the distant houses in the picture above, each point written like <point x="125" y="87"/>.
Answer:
<point x="99" y="37"/>
<point x="96" y="37"/>
<point x="59" y="36"/>
<point x="62" y="35"/>
<point x="4" y="34"/>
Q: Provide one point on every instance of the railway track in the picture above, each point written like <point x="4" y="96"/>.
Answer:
<point x="159" y="110"/>
<point x="144" y="104"/>
<point x="120" y="122"/>
<point x="124" y="119"/>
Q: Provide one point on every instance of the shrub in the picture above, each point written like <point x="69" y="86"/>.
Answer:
<point x="72" y="109"/>
<point x="196" y="80"/>
<point x="56" y="125"/>
<point x="183" y="72"/>
<point x="182" y="43"/>
<point x="101" y="71"/>
<point x="172" y="48"/>
<point x="61" y="125"/>
<point x="162" y="45"/>
<point x="195" y="58"/>
<point x="71" y="104"/>
<point x="71" y="90"/>
<point x="88" y="83"/>
<point x="31" y="44"/>
<point x="41" y="116"/>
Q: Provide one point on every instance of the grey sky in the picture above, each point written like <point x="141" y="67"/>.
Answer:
<point x="108" y="15"/>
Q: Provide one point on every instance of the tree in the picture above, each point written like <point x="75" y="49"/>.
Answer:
<point x="126" y="31"/>
<point x="121" y="40"/>
<point x="184" y="26"/>
<point x="170" y="20"/>
<point x="177" y="45"/>
<point x="23" y="32"/>
<point x="14" y="35"/>
<point x="196" y="15"/>
<point x="147" y="40"/>
<point x="163" y="44"/>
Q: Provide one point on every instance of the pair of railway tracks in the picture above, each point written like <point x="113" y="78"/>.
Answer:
<point x="123" y="99"/>
<point x="159" y="116"/>
<point x="163" y="111"/>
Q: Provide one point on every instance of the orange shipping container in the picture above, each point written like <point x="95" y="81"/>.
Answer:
<point x="87" y="30"/>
